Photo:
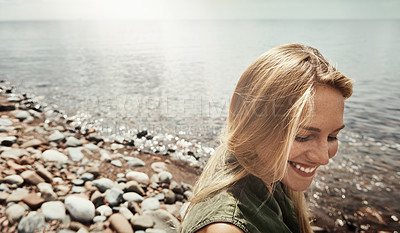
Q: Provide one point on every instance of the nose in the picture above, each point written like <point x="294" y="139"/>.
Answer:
<point x="320" y="154"/>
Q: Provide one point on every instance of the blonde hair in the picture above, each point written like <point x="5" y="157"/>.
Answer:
<point x="272" y="98"/>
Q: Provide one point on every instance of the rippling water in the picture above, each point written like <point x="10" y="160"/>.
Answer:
<point x="177" y="77"/>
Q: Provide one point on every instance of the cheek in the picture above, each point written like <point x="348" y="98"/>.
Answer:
<point x="333" y="148"/>
<point x="295" y="151"/>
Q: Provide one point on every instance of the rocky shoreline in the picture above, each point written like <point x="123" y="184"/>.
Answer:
<point x="58" y="175"/>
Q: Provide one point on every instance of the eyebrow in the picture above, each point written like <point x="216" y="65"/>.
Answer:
<point x="319" y="130"/>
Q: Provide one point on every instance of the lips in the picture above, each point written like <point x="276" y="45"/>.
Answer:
<point x="303" y="169"/>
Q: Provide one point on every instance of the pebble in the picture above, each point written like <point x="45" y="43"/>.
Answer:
<point x="87" y="176"/>
<point x="135" y="162"/>
<point x="54" y="156"/>
<point x="152" y="230"/>
<point x="21" y="115"/>
<point x="159" y="167"/>
<point x="114" y="196"/>
<point x="132" y="196"/>
<point x="73" y="142"/>
<point x="140" y="177"/>
<point x="15" y="212"/>
<point x="120" y="224"/>
<point x="5" y="122"/>
<point x="80" y="208"/>
<point x="169" y="196"/>
<point x="91" y="147"/>
<point x="126" y="212"/>
<point x="17" y="195"/>
<point x="97" y="219"/>
<point x="133" y="186"/>
<point x="56" y="136"/>
<point x="165" y="177"/>
<point x="142" y="222"/>
<point x="116" y="163"/>
<point x="32" y="177"/>
<point x="53" y="210"/>
<point x="14" y="153"/>
<point x="8" y="141"/>
<point x="14" y="179"/>
<point x="150" y="203"/>
<point x="45" y="174"/>
<point x="31" y="143"/>
<point x="75" y="154"/>
<point x="104" y="210"/>
<point x="31" y="223"/>
<point x="103" y="184"/>
<point x="33" y="200"/>
<point x="164" y="220"/>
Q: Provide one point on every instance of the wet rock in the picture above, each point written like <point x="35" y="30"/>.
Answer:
<point x="31" y="223"/>
<point x="53" y="210"/>
<point x="103" y="184"/>
<point x="116" y="163"/>
<point x="150" y="203"/>
<point x="159" y="167"/>
<point x="140" y="177"/>
<point x="8" y="141"/>
<point x="132" y="196"/>
<point x="114" y="196"/>
<point x="32" y="177"/>
<point x="165" y="177"/>
<point x="14" y="179"/>
<point x="164" y="220"/>
<point x="54" y="156"/>
<point x="142" y="222"/>
<point x="135" y="162"/>
<point x="120" y="224"/>
<point x="33" y="200"/>
<point x="73" y="142"/>
<point x="15" y="212"/>
<point x="80" y="208"/>
<point x="56" y="136"/>
<point x="75" y="154"/>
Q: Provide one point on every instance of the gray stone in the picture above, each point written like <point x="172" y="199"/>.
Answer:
<point x="5" y="122"/>
<point x="126" y="212"/>
<point x="29" y="120"/>
<point x="140" y="177"/>
<point x="142" y="222"/>
<point x="21" y="115"/>
<point x="159" y="167"/>
<point x="75" y="154"/>
<point x="169" y="196"/>
<point x="56" y="136"/>
<point x="104" y="210"/>
<point x="174" y="186"/>
<point x="53" y="210"/>
<point x="54" y="156"/>
<point x="80" y="208"/>
<point x="150" y="203"/>
<point x="132" y="196"/>
<point x="14" y="179"/>
<point x="165" y="177"/>
<point x="35" y="114"/>
<point x="103" y="184"/>
<point x="15" y="212"/>
<point x="136" y="162"/>
<point x="31" y="223"/>
<point x="160" y="196"/>
<point x="78" y="189"/>
<point x="104" y="155"/>
<point x="78" y="182"/>
<point x="116" y="163"/>
<point x="114" y="196"/>
<point x="73" y="142"/>
<point x="164" y="221"/>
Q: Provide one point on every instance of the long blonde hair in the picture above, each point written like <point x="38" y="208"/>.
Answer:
<point x="272" y="98"/>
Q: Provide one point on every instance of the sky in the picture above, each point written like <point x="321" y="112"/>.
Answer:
<point x="197" y="9"/>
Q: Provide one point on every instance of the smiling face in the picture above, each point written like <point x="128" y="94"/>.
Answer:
<point x="316" y="142"/>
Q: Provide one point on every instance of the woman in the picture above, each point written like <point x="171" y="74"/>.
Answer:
<point x="284" y="118"/>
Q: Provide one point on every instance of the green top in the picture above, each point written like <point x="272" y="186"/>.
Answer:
<point x="248" y="205"/>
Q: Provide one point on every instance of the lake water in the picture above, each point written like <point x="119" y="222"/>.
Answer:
<point x="177" y="77"/>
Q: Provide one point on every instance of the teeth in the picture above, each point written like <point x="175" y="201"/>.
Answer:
<point x="303" y="169"/>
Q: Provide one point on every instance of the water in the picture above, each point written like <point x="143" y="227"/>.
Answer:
<point x="177" y="77"/>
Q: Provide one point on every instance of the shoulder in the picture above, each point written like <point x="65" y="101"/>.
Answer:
<point x="220" y="228"/>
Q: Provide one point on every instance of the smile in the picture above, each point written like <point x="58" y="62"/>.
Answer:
<point x="302" y="170"/>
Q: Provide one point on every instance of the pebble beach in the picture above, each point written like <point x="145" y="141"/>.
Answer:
<point x="59" y="177"/>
